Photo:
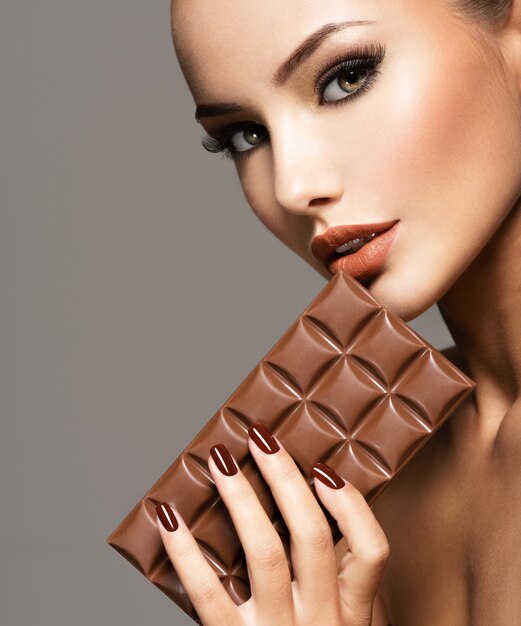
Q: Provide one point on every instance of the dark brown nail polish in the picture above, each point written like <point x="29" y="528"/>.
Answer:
<point x="167" y="517"/>
<point x="327" y="475"/>
<point x="223" y="459"/>
<point x="263" y="438"/>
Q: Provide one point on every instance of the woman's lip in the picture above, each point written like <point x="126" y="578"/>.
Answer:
<point x="323" y="246"/>
<point x="366" y="261"/>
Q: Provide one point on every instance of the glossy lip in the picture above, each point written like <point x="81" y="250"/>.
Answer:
<point x="323" y="246"/>
<point x="368" y="260"/>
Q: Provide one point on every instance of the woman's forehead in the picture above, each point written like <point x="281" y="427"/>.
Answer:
<point x="226" y="31"/>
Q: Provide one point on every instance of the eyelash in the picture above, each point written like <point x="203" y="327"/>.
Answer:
<point x="367" y="57"/>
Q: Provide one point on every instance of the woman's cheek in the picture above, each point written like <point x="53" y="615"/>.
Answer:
<point x="449" y="152"/>
<point x="256" y="184"/>
<point x="431" y="138"/>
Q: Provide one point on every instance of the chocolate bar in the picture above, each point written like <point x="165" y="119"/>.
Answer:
<point x="349" y="384"/>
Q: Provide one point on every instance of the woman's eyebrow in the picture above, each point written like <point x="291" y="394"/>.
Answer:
<point x="305" y="49"/>
<point x="302" y="52"/>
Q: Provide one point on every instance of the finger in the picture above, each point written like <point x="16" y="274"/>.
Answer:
<point x="312" y="549"/>
<point x="361" y="569"/>
<point x="206" y="592"/>
<point x="268" y="569"/>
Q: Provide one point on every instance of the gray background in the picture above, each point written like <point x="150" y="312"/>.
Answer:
<point x="134" y="278"/>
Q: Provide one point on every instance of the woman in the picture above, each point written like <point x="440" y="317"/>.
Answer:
<point x="405" y="114"/>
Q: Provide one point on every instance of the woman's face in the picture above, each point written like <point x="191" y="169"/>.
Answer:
<point x="429" y="135"/>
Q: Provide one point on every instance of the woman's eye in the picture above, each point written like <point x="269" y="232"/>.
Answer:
<point x="247" y="138"/>
<point x="344" y="83"/>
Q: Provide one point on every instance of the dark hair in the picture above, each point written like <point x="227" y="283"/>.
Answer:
<point x="491" y="11"/>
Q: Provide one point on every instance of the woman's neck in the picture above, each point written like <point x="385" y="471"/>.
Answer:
<point x="482" y="311"/>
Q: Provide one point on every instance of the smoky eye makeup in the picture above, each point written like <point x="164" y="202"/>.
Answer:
<point x="359" y="60"/>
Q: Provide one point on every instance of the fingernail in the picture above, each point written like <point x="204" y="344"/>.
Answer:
<point x="263" y="438"/>
<point x="223" y="459"/>
<point x="167" y="517"/>
<point x="327" y="475"/>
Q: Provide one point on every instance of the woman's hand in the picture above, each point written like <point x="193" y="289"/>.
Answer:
<point x="321" y="593"/>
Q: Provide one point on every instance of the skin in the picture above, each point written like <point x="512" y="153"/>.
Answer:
<point x="436" y="143"/>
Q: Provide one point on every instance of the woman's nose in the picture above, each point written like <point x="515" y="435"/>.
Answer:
<point x="306" y="179"/>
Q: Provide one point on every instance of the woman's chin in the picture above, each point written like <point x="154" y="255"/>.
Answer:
<point x="406" y="296"/>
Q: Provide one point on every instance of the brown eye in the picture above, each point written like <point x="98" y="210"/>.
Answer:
<point x="345" y="82"/>
<point x="248" y="138"/>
